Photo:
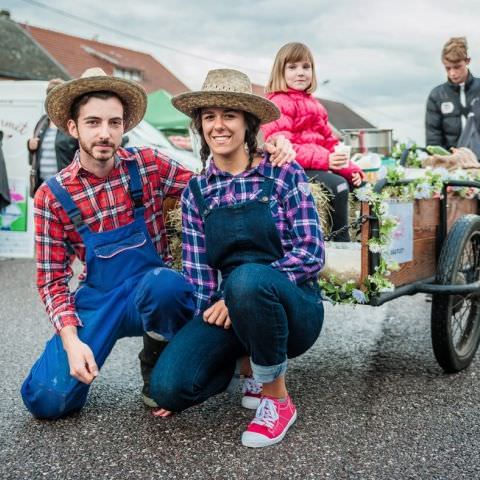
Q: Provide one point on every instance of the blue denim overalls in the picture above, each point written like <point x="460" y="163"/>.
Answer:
<point x="272" y="318"/>
<point x="240" y="233"/>
<point x="127" y="291"/>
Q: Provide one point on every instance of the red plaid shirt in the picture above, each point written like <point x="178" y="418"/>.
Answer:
<point x="105" y="204"/>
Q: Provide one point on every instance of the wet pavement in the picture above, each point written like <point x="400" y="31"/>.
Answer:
<point x="372" y="404"/>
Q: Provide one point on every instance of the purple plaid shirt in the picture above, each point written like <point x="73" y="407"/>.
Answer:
<point x="293" y="210"/>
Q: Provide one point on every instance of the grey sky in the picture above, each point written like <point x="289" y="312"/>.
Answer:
<point x="381" y="57"/>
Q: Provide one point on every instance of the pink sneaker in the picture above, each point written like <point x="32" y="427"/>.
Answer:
<point x="272" y="420"/>
<point x="252" y="393"/>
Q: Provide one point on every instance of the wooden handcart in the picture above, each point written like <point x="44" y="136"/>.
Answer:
<point x="445" y="264"/>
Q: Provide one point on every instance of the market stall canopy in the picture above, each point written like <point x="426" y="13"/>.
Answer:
<point x="163" y="115"/>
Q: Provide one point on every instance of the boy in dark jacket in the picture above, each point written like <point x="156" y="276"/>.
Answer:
<point x="449" y="104"/>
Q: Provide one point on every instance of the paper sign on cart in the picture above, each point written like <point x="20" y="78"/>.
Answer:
<point x="400" y="249"/>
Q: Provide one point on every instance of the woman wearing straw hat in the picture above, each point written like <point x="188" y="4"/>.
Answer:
<point x="256" y="225"/>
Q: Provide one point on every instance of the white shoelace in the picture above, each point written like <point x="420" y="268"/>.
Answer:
<point x="250" y="385"/>
<point x="266" y="413"/>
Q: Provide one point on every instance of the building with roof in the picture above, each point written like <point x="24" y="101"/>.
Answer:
<point x="21" y="58"/>
<point x="33" y="53"/>
<point x="76" y="54"/>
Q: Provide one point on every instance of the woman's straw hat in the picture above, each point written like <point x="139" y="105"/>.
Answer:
<point x="59" y="100"/>
<point x="227" y="88"/>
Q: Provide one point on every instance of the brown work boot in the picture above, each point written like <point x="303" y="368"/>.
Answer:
<point x="152" y="348"/>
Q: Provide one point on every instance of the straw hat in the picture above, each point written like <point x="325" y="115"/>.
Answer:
<point x="59" y="100"/>
<point x="228" y="89"/>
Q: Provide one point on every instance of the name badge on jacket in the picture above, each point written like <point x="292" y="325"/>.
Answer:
<point x="446" y="107"/>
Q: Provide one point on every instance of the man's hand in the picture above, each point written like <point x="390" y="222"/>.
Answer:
<point x="33" y="144"/>
<point x="80" y="357"/>
<point x="217" y="314"/>
<point x="337" y="160"/>
<point x="280" y="150"/>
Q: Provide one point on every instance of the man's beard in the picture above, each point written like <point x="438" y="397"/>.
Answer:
<point x="99" y="157"/>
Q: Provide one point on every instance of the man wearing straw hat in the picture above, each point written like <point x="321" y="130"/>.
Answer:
<point x="107" y="206"/>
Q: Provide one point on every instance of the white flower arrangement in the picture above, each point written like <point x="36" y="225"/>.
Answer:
<point x="422" y="191"/>
<point x="425" y="187"/>
<point x="365" y="193"/>
<point x="349" y="292"/>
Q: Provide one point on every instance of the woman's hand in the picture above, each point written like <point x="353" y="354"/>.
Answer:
<point x="337" y="160"/>
<point x="280" y="150"/>
<point x="217" y="315"/>
<point x="357" y="179"/>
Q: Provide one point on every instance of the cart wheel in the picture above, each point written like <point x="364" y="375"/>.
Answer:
<point x="455" y="319"/>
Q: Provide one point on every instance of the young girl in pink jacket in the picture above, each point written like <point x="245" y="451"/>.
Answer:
<point x="304" y="121"/>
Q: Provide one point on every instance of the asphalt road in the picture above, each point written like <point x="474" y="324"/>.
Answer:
<point x="372" y="404"/>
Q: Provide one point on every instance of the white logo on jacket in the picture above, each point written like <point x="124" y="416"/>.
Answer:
<point x="446" y="107"/>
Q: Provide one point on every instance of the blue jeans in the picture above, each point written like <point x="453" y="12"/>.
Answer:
<point x="272" y="319"/>
<point x="160" y="301"/>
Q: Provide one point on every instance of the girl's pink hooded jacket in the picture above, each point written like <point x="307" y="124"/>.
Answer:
<point x="304" y="121"/>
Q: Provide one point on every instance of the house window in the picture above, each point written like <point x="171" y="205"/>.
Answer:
<point x="128" y="73"/>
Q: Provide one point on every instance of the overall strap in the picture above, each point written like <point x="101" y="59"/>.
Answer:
<point x="68" y="205"/>
<point x="267" y="189"/>
<point x="197" y="195"/>
<point x="136" y="188"/>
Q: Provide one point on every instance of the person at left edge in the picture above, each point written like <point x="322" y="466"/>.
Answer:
<point x="107" y="205"/>
<point x="49" y="149"/>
